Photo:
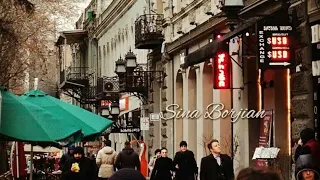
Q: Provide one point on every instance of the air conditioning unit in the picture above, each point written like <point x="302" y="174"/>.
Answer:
<point x="110" y="84"/>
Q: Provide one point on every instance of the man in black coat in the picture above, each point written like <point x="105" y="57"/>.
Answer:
<point x="185" y="163"/>
<point x="79" y="167"/>
<point x="163" y="167"/>
<point x="128" y="158"/>
<point x="216" y="166"/>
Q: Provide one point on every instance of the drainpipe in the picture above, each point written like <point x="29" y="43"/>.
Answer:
<point x="173" y="125"/>
<point x="172" y="74"/>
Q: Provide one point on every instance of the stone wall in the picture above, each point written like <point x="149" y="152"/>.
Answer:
<point x="301" y="82"/>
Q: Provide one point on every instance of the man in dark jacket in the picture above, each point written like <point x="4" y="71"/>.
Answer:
<point x="308" y="145"/>
<point x="163" y="167"/>
<point x="66" y="156"/>
<point x="127" y="158"/>
<point x="216" y="166"/>
<point x="79" y="167"/>
<point x="185" y="163"/>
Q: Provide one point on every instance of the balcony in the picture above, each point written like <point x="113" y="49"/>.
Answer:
<point x="75" y="76"/>
<point x="148" y="31"/>
<point x="139" y="81"/>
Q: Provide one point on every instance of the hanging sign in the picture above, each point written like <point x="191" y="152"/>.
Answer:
<point x="222" y="71"/>
<point x="275" y="46"/>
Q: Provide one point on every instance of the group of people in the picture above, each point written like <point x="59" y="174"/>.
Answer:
<point x="75" y="166"/>
<point x="109" y="165"/>
<point x="216" y="166"/>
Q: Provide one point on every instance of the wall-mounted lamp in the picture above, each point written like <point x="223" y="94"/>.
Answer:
<point x="231" y="9"/>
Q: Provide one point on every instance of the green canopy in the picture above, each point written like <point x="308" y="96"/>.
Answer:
<point x="24" y="121"/>
<point x="90" y="123"/>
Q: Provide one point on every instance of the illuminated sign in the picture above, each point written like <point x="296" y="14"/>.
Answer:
<point x="222" y="71"/>
<point x="274" y="46"/>
<point x="105" y="103"/>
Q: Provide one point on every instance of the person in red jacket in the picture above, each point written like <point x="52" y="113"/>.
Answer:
<point x="308" y="145"/>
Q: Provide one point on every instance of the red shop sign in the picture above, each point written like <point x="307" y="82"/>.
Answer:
<point x="222" y="71"/>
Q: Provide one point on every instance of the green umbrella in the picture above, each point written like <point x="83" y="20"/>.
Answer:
<point x="90" y="123"/>
<point x="21" y="120"/>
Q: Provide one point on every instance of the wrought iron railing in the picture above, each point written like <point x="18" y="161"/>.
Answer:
<point x="148" y="27"/>
<point x="90" y="92"/>
<point x="140" y="81"/>
<point x="77" y="73"/>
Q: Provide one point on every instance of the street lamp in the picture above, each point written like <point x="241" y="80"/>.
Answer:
<point x="131" y="60"/>
<point x="134" y="79"/>
<point x="105" y="112"/>
<point x="121" y="66"/>
<point x="114" y="109"/>
<point x="231" y="8"/>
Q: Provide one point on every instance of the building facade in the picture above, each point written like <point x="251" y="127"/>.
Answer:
<point x="194" y="34"/>
<point x="189" y="27"/>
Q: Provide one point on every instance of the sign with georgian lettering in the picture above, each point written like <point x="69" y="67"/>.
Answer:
<point x="222" y="71"/>
<point x="275" y="46"/>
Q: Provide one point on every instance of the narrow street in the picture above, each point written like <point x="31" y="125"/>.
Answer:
<point x="159" y="90"/>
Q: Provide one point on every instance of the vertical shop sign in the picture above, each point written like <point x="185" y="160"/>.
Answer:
<point x="265" y="136"/>
<point x="265" y="129"/>
<point x="222" y="71"/>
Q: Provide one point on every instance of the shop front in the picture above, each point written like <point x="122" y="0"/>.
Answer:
<point x="127" y="124"/>
<point x="264" y="67"/>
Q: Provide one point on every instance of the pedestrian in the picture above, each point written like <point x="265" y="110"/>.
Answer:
<point x="66" y="156"/>
<point x="163" y="167"/>
<point x="216" y="166"/>
<point x="308" y="145"/>
<point x="258" y="174"/>
<point x="306" y="168"/>
<point x="128" y="158"/>
<point x="185" y="163"/>
<point x="157" y="154"/>
<point x="127" y="174"/>
<point x="105" y="160"/>
<point x="78" y="167"/>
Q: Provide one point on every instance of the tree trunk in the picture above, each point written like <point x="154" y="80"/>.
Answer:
<point x="3" y="158"/>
